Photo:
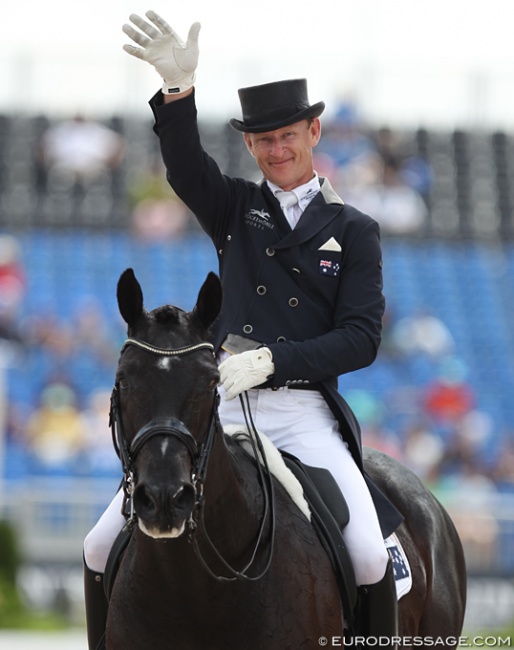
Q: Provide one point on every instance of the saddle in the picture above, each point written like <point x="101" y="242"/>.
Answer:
<point x="329" y="516"/>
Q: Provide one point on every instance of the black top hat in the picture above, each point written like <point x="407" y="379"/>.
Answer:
<point x="274" y="105"/>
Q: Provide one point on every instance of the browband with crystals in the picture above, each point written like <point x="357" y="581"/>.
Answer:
<point x="169" y="352"/>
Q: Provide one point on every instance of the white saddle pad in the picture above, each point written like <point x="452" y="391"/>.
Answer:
<point x="275" y="463"/>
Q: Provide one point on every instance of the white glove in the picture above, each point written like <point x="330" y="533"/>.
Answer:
<point x="173" y="59"/>
<point x="246" y="370"/>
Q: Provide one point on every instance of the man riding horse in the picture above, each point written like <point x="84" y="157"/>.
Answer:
<point x="302" y="298"/>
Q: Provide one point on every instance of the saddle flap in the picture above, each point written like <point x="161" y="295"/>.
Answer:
<point x="330" y="493"/>
<point x="327" y="526"/>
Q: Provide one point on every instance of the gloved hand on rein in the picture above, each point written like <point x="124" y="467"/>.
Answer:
<point x="173" y="59"/>
<point x="246" y="370"/>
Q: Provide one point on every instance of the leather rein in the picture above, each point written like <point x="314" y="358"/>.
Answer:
<point x="172" y="427"/>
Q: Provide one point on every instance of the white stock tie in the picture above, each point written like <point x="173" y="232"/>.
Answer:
<point x="286" y="199"/>
<point x="290" y="206"/>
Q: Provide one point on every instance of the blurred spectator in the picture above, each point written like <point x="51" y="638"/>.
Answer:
<point x="414" y="170"/>
<point x="464" y="473"/>
<point x="344" y="138"/>
<point x="377" y="173"/>
<point x="80" y="150"/>
<point x="55" y="431"/>
<point x="46" y="334"/>
<point x="12" y="292"/>
<point x="423" y="451"/>
<point x="503" y="470"/>
<point x="99" y="450"/>
<point x="378" y="437"/>
<point x="477" y="428"/>
<point x="390" y="349"/>
<point x="347" y="151"/>
<point x="369" y="411"/>
<point x="93" y="335"/>
<point x="399" y="208"/>
<point x="449" y="397"/>
<point x="157" y="212"/>
<point x="423" y="333"/>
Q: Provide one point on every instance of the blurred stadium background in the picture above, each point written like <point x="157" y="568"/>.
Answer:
<point x="439" y="396"/>
<point x="82" y="198"/>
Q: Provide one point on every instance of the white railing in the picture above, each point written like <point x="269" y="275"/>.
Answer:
<point x="52" y="518"/>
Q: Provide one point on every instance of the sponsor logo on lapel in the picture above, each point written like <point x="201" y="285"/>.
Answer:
<point x="258" y="219"/>
<point x="329" y="267"/>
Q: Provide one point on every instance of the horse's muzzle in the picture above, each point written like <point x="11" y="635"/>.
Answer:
<point x="163" y="510"/>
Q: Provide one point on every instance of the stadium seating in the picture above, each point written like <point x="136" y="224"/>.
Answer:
<point x="460" y="267"/>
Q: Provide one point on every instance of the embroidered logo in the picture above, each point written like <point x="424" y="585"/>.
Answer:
<point x="309" y="196"/>
<point x="330" y="268"/>
<point x="259" y="219"/>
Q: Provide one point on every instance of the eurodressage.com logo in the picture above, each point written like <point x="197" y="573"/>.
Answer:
<point x="416" y="642"/>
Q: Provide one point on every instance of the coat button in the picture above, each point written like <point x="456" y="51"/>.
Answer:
<point x="280" y="339"/>
<point x="293" y="302"/>
<point x="247" y="329"/>
<point x="270" y="252"/>
<point x="261" y="290"/>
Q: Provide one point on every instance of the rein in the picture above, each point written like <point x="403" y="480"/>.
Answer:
<point x="269" y="513"/>
<point x="200" y="455"/>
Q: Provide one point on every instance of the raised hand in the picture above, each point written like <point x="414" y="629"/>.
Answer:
<point x="161" y="46"/>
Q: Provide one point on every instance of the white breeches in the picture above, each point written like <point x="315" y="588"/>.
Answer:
<point x="299" y="422"/>
<point x="99" y="541"/>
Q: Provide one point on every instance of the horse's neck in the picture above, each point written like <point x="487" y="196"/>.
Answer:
<point x="227" y="475"/>
<point x="233" y="494"/>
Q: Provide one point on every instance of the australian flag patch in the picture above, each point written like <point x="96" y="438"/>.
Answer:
<point x="401" y="567"/>
<point x="330" y="268"/>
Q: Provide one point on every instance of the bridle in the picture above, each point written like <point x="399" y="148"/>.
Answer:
<point x="174" y="428"/>
<point x="157" y="426"/>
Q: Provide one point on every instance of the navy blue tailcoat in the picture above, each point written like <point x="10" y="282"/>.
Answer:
<point x="313" y="295"/>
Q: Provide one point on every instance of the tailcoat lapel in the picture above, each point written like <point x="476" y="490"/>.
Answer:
<point x="325" y="206"/>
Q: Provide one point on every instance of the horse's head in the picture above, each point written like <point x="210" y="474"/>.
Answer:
<point x="163" y="402"/>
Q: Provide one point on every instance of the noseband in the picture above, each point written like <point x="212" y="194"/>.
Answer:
<point x="169" y="427"/>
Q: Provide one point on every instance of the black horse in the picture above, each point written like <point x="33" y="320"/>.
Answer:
<point x="220" y="557"/>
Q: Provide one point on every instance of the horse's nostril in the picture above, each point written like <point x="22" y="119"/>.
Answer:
<point x="184" y="498"/>
<point x="145" y="502"/>
<point x="151" y="501"/>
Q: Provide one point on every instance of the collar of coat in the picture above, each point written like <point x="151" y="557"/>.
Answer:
<point x="323" y="208"/>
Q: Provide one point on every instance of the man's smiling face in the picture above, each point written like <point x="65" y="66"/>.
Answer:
<point x="285" y="155"/>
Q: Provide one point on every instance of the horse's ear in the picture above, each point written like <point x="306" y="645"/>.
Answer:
<point x="130" y="297"/>
<point x="208" y="305"/>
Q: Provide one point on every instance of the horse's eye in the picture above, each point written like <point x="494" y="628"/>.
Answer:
<point x="123" y="383"/>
